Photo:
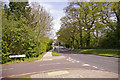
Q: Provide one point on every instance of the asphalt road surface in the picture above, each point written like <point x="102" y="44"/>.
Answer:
<point x="71" y="60"/>
<point x="100" y="62"/>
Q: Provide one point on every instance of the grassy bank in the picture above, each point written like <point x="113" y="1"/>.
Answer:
<point x="55" y="54"/>
<point x="101" y="52"/>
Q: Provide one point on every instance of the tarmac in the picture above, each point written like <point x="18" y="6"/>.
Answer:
<point x="76" y="73"/>
<point x="71" y="73"/>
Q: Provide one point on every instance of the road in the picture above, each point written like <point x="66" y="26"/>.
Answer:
<point x="72" y="60"/>
<point x="100" y="62"/>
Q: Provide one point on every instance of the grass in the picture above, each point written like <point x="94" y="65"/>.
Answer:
<point x="55" y="54"/>
<point x="101" y="52"/>
<point x="24" y="78"/>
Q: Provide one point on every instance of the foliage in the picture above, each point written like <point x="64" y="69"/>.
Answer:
<point x="23" y="32"/>
<point x="90" y="25"/>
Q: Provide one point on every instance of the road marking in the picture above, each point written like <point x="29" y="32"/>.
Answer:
<point x="38" y="72"/>
<point x="95" y="67"/>
<point x="81" y="76"/>
<point x="67" y="59"/>
<point x="57" y="73"/>
<point x="46" y="59"/>
<point x="72" y="60"/>
<point x="85" y="65"/>
<point x="20" y="74"/>
<point x="102" y="69"/>
<point x="43" y="60"/>
<point x="75" y="60"/>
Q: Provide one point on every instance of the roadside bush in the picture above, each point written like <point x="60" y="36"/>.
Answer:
<point x="23" y="32"/>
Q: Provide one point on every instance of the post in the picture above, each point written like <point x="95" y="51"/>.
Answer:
<point x="53" y="46"/>
<point x="58" y="47"/>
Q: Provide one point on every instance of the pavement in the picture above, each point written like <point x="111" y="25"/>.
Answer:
<point x="70" y="65"/>
<point x="48" y="54"/>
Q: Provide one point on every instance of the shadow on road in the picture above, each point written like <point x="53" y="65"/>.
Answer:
<point x="66" y="51"/>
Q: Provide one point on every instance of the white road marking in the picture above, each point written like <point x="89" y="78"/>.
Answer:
<point x="95" y="67"/>
<point x="55" y="73"/>
<point x="85" y="65"/>
<point x="67" y="59"/>
<point x="102" y="69"/>
<point x="72" y="60"/>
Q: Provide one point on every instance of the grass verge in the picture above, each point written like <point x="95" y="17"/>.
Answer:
<point x="55" y="54"/>
<point x="24" y="78"/>
<point x="101" y="52"/>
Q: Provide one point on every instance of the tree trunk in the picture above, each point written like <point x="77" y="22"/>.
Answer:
<point x="88" y="38"/>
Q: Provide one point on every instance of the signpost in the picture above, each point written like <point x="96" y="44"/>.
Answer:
<point x="17" y="56"/>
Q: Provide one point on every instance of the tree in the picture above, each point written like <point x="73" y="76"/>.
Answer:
<point x="95" y="22"/>
<point x="21" y="31"/>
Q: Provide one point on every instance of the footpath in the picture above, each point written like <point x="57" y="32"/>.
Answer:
<point x="72" y="73"/>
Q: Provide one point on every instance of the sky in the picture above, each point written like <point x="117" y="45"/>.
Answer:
<point x="56" y="11"/>
<point x="55" y="8"/>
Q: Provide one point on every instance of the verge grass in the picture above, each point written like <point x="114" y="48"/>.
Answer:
<point x="55" y="54"/>
<point x="24" y="78"/>
<point x="115" y="53"/>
